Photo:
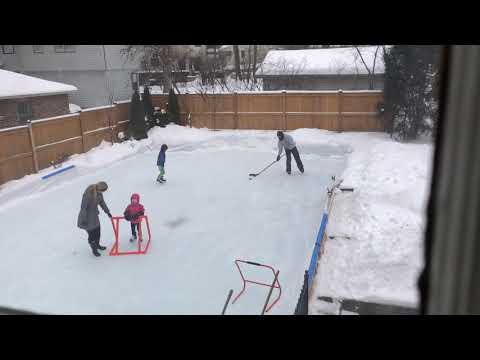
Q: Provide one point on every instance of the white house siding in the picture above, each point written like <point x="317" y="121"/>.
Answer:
<point x="85" y="57"/>
<point x="87" y="68"/>
<point x="120" y="81"/>
<point x="9" y="61"/>
<point x="94" y="86"/>
<point x="320" y="83"/>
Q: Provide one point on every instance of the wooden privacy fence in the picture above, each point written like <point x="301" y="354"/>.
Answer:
<point x="27" y="149"/>
<point x="288" y="110"/>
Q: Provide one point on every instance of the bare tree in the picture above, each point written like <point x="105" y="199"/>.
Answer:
<point x="254" y="64"/>
<point x="370" y="71"/>
<point x="287" y="70"/>
<point x="249" y="63"/>
<point x="111" y="99"/>
<point x="236" y="55"/>
<point x="156" y="57"/>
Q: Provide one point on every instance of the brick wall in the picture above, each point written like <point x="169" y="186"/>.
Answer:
<point x="42" y="107"/>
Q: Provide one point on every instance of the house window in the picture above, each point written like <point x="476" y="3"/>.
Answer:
<point x="155" y="61"/>
<point x="64" y="48"/>
<point x="8" y="49"/>
<point x="37" y="49"/>
<point x="182" y="64"/>
<point x="24" y="111"/>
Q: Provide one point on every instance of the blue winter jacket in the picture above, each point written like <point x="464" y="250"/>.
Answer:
<point x="161" y="159"/>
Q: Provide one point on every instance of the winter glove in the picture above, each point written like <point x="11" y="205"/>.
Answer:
<point x="278" y="157"/>
<point x="109" y="215"/>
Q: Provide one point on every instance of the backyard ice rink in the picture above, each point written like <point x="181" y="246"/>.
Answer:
<point x="207" y="215"/>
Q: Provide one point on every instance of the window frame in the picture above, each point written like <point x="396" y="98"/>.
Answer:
<point x="26" y="116"/>
<point x="61" y="49"/>
<point x="8" y="53"/>
<point x="36" y="51"/>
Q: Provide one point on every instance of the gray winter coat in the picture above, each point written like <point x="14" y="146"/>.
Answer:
<point x="287" y="142"/>
<point x="88" y="216"/>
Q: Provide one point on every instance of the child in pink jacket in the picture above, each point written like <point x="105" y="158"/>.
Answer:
<point x="132" y="213"/>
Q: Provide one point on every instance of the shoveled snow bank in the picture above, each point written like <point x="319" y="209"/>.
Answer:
<point x="106" y="153"/>
<point x="74" y="108"/>
<point x="385" y="218"/>
<point x="196" y="86"/>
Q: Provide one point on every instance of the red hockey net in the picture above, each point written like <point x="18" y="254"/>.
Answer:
<point x="274" y="285"/>
<point x="140" y="250"/>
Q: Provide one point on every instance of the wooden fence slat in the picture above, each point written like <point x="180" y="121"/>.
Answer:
<point x="82" y="131"/>
<point x="45" y="139"/>
<point x="32" y="143"/>
<point x="340" y="100"/>
<point x="235" y="109"/>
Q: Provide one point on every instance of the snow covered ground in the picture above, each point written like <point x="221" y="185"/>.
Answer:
<point x="384" y="218"/>
<point x="208" y="214"/>
<point x="196" y="86"/>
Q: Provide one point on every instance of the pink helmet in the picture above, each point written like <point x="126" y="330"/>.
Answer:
<point x="136" y="197"/>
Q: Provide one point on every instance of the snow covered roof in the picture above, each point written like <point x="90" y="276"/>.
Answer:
<point x="330" y="61"/>
<point x="14" y="85"/>
<point x="225" y="47"/>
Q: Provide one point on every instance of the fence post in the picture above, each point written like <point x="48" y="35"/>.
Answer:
<point x="235" y="109"/>
<point x="81" y="130"/>
<point x="284" y="109"/>
<point x="230" y="293"/>
<point x="270" y="293"/>
<point x="340" y="99"/>
<point x="214" y="110"/>
<point x="302" y="304"/>
<point x="32" y="143"/>
<point x="110" y="122"/>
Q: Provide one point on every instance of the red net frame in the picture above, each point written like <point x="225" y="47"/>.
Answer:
<point x="275" y="285"/>
<point x="115" y="223"/>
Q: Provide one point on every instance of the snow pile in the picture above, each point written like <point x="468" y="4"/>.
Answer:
<point x="385" y="218"/>
<point x="13" y="84"/>
<point x="196" y="86"/>
<point x="106" y="153"/>
<point x="74" y="108"/>
<point x="331" y="61"/>
<point x="172" y="135"/>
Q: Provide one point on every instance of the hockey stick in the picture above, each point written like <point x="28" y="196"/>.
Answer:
<point x="253" y="175"/>
<point x="270" y="292"/>
<point x="230" y="293"/>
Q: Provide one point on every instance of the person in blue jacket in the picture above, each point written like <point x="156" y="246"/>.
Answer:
<point x="161" y="163"/>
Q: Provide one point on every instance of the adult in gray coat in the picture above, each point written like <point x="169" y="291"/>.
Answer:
<point x="287" y="142"/>
<point x="88" y="217"/>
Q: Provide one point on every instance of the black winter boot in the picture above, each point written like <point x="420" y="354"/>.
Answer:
<point x="94" y="249"/>
<point x="100" y="246"/>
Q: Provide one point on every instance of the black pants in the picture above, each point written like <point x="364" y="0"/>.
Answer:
<point x="133" y="226"/>
<point x="296" y="155"/>
<point x="94" y="237"/>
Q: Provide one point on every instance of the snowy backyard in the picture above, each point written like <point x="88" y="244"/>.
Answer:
<point x="208" y="214"/>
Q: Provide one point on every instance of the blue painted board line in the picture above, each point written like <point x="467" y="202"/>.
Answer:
<point x="58" y="172"/>
<point x="316" y="250"/>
